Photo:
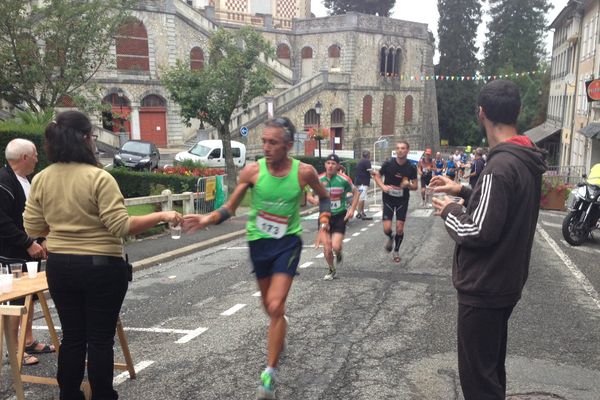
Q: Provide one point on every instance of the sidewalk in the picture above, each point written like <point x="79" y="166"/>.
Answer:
<point x="145" y="253"/>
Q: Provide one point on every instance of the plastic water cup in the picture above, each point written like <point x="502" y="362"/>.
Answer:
<point x="17" y="270"/>
<point x="32" y="269"/>
<point x="439" y="195"/>
<point x="175" y="231"/>
<point x="428" y="196"/>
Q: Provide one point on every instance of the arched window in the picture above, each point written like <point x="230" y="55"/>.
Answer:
<point x="311" y="118"/>
<point x="382" y="61"/>
<point x="389" y="115"/>
<point x="283" y="51"/>
<point x="337" y="117"/>
<point x="367" y="109"/>
<point x="132" y="47"/>
<point x="397" y="62"/>
<point x="390" y="62"/>
<point x="408" y="109"/>
<point x="307" y="52"/>
<point x="334" y="56"/>
<point x="153" y="100"/>
<point x="196" y="59"/>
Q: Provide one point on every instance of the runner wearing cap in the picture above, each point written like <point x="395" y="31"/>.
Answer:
<point x="399" y="177"/>
<point x="338" y="186"/>
<point x="425" y="168"/>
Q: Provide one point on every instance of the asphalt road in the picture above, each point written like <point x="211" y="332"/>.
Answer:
<point x="380" y="331"/>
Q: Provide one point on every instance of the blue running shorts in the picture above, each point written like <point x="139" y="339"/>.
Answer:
<point x="272" y="256"/>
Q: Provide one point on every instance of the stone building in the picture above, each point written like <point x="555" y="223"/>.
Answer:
<point x="354" y="66"/>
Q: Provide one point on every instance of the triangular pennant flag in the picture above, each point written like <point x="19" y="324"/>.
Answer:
<point x="494" y="76"/>
<point x="437" y="77"/>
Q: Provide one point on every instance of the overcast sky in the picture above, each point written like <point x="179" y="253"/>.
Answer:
<point x="427" y="12"/>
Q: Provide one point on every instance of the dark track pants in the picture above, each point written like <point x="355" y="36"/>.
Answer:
<point x="482" y="338"/>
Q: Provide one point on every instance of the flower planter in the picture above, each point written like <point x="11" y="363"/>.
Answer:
<point x="554" y="200"/>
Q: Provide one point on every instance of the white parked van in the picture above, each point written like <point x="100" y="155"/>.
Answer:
<point x="210" y="153"/>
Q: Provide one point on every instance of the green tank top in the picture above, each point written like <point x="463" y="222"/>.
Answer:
<point x="275" y="207"/>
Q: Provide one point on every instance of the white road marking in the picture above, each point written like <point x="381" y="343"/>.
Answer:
<point x="553" y="225"/>
<point x="552" y="214"/>
<point x="421" y="213"/>
<point x="363" y="229"/>
<point x="237" y="285"/>
<point x="580" y="248"/>
<point x="233" y="310"/>
<point x="129" y="329"/>
<point x="378" y="214"/>
<point x="256" y="294"/>
<point x="191" y="335"/>
<point x="355" y="234"/>
<point x="371" y="224"/>
<point x="311" y="216"/>
<point x="172" y="276"/>
<point x="347" y="240"/>
<point x="123" y="376"/>
<point x="320" y="255"/>
<point x="306" y="265"/>
<point x="579" y="276"/>
<point x="306" y="246"/>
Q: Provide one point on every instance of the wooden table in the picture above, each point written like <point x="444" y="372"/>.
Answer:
<point x="28" y="287"/>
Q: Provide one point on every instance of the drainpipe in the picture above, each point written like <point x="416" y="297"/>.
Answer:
<point x="574" y="105"/>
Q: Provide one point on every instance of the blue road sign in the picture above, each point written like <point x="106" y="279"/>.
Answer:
<point x="244" y="131"/>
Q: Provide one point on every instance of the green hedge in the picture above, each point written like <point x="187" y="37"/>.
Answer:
<point x="139" y="184"/>
<point x="10" y="131"/>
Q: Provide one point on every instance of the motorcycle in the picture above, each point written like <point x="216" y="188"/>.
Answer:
<point x="583" y="213"/>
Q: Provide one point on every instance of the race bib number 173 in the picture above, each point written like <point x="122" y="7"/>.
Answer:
<point x="271" y="224"/>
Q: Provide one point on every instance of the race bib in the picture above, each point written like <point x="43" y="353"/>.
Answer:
<point x="395" y="191"/>
<point x="271" y="224"/>
<point x="336" y="204"/>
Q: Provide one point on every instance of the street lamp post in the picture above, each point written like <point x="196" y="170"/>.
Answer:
<point x="122" y="133"/>
<point x="318" y="108"/>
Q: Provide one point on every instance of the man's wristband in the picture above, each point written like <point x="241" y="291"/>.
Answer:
<point x="223" y="215"/>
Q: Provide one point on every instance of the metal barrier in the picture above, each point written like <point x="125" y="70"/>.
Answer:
<point x="206" y="193"/>
<point x="567" y="173"/>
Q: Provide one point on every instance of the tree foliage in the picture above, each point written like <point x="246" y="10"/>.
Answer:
<point x="51" y="51"/>
<point x="382" y="8"/>
<point x="457" y="32"/>
<point x="515" y="37"/>
<point x="233" y="77"/>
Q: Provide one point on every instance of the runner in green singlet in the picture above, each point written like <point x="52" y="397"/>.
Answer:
<point x="274" y="229"/>
<point x="338" y="185"/>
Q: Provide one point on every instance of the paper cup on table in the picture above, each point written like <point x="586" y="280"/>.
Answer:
<point x="6" y="283"/>
<point x="32" y="269"/>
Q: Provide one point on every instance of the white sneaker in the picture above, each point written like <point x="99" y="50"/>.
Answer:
<point x="330" y="275"/>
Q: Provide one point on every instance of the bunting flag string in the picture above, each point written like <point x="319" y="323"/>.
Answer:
<point x="474" y="77"/>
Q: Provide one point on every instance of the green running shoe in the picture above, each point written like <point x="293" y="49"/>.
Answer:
<point x="266" y="390"/>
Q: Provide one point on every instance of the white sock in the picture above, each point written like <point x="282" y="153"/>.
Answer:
<point x="271" y="371"/>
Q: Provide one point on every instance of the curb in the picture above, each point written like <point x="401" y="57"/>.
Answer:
<point x="158" y="259"/>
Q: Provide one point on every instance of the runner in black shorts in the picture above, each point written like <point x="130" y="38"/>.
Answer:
<point x="399" y="177"/>
<point x="338" y="186"/>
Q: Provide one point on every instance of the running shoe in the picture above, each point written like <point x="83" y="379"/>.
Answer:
<point x="389" y="244"/>
<point x="330" y="275"/>
<point x="266" y="390"/>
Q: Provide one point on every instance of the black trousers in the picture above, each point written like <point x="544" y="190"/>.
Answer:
<point x="88" y="292"/>
<point x="482" y="338"/>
